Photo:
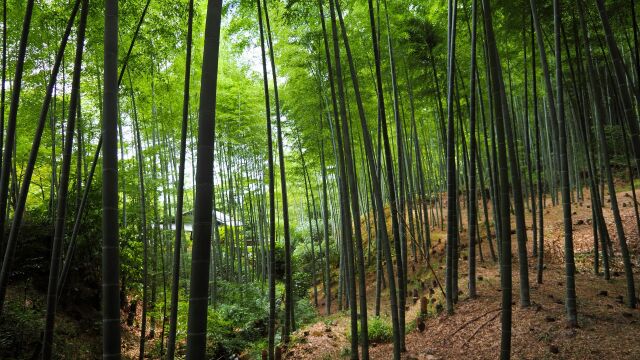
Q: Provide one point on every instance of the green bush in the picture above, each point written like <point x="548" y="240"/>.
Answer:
<point x="301" y="284"/>
<point x="380" y="331"/>
<point x="22" y="324"/>
<point x="19" y="332"/>
<point x="238" y="321"/>
<point x="305" y="312"/>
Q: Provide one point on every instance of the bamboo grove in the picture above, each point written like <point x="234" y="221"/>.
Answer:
<point x="301" y="155"/>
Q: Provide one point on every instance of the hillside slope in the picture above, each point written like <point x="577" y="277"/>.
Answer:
<point x="607" y="327"/>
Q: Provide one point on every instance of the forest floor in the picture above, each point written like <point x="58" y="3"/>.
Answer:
<point x="607" y="329"/>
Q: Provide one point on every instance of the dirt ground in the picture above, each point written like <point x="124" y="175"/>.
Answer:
<point x="607" y="329"/>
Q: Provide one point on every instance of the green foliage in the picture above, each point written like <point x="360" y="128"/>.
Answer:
<point x="615" y="138"/>
<point x="305" y="312"/>
<point x="301" y="283"/>
<point x="21" y="327"/>
<point x="279" y="260"/>
<point x="222" y="338"/>
<point x="345" y="352"/>
<point x="131" y="257"/>
<point x="244" y="305"/>
<point x="236" y="322"/>
<point x="31" y="261"/>
<point x="380" y="330"/>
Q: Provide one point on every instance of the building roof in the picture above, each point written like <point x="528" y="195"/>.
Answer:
<point x="221" y="219"/>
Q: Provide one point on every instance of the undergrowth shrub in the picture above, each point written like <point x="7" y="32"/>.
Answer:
<point x="305" y="312"/>
<point x="380" y="330"/>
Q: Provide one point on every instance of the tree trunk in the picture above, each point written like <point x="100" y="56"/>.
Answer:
<point x="473" y="203"/>
<point x="564" y="177"/>
<point x="452" y="190"/>
<point x="61" y="207"/>
<point x="201" y="248"/>
<point x="501" y="113"/>
<point x="632" y="122"/>
<point x="175" y="273"/>
<point x="110" y="227"/>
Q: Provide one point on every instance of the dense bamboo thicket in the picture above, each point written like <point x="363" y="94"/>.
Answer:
<point x="216" y="177"/>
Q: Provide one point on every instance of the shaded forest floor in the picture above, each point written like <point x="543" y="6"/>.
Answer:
<point x="78" y="328"/>
<point x="607" y="327"/>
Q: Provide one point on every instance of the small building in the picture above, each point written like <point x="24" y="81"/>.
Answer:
<point x="221" y="219"/>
